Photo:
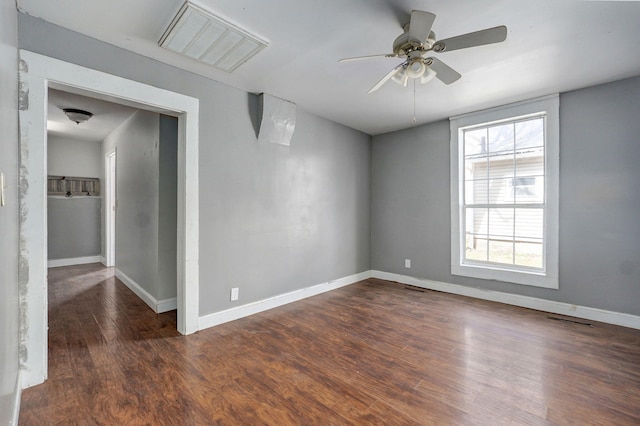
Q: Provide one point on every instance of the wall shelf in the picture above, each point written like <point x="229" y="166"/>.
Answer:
<point x="70" y="186"/>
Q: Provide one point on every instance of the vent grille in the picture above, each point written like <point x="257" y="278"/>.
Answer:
<point x="198" y="34"/>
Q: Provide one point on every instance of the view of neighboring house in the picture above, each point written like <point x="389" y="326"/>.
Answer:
<point x="504" y="187"/>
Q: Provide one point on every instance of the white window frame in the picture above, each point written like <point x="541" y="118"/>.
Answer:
<point x="548" y="276"/>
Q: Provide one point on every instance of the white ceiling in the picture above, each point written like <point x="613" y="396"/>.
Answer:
<point x="106" y="116"/>
<point x="552" y="46"/>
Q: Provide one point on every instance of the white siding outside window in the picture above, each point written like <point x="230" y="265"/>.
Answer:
<point x="504" y="193"/>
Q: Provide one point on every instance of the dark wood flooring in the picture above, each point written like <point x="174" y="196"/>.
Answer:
<point x="371" y="353"/>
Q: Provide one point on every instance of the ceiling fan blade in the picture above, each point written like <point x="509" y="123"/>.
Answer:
<point x="420" y="25"/>
<point x="359" y="58"/>
<point x="444" y="72"/>
<point x="477" y="38"/>
<point x="386" y="78"/>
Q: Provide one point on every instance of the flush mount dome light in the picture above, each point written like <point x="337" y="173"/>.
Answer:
<point x="77" y="115"/>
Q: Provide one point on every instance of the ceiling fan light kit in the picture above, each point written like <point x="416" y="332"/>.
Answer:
<point x="418" y="40"/>
<point x="401" y="77"/>
<point x="428" y="75"/>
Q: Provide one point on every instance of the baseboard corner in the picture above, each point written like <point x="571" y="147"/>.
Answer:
<point x="232" y="314"/>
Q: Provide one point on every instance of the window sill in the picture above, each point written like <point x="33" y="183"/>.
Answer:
<point x="508" y="276"/>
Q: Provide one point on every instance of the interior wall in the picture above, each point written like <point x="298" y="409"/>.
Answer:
<point x="599" y="202"/>
<point x="9" y="339"/>
<point x="167" y="208"/>
<point x="274" y="219"/>
<point x="137" y="144"/>
<point x="74" y="224"/>
<point x="72" y="157"/>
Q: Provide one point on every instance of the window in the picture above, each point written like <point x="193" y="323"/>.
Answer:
<point x="504" y="192"/>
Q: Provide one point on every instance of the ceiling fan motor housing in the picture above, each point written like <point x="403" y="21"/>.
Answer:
<point x="403" y="46"/>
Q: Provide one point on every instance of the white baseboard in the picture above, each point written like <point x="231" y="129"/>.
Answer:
<point x="103" y="260"/>
<point x="55" y="263"/>
<point x="232" y="314"/>
<point x="16" y="400"/>
<point x="166" y="305"/>
<point x="158" y="306"/>
<point x="561" y="308"/>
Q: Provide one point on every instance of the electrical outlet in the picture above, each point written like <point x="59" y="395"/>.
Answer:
<point x="407" y="263"/>
<point x="234" y="293"/>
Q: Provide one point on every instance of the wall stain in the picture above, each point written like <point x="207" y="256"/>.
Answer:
<point x="23" y="88"/>
<point x="23" y="252"/>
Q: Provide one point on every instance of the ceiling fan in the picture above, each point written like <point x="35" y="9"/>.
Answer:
<point x="418" y="40"/>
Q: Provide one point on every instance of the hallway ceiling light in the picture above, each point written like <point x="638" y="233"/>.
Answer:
<point x="77" y="115"/>
<point x="196" y="33"/>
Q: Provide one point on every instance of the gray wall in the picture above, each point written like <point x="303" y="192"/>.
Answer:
<point x="72" y="157"/>
<point x="74" y="224"/>
<point x="8" y="213"/>
<point x="167" y="207"/>
<point x="274" y="219"/>
<point x="137" y="144"/>
<point x="73" y="227"/>
<point x="599" y="201"/>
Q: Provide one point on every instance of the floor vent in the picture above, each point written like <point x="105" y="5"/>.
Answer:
<point x="571" y="321"/>
<point x="414" y="289"/>
<point x="196" y="33"/>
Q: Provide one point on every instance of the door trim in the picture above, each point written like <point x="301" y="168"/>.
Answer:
<point x="37" y="74"/>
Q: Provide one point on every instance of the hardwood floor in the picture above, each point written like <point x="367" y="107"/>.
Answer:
<point x="371" y="353"/>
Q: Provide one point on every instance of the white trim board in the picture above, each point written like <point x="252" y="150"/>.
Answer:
<point x="561" y="308"/>
<point x="232" y="314"/>
<point x="16" y="400"/>
<point x="158" y="306"/>
<point x="56" y="263"/>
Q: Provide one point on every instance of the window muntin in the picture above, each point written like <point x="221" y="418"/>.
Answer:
<point x="504" y="193"/>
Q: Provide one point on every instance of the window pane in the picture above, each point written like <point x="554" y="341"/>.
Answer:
<point x="476" y="192"/>
<point x="530" y="163"/>
<point x="475" y="168"/>
<point x="500" y="191"/>
<point x="530" y="133"/>
<point x="477" y="221"/>
<point x="476" y="248"/>
<point x="501" y="251"/>
<point x="501" y="138"/>
<point x="501" y="222"/>
<point x="529" y="224"/>
<point x="475" y="142"/>
<point x="529" y="190"/>
<point x="529" y="254"/>
<point x="476" y="227"/>
<point x="501" y="166"/>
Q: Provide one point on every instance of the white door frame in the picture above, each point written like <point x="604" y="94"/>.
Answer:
<point x="37" y="74"/>
<point x="110" y="209"/>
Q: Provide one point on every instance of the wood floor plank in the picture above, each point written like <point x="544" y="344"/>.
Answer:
<point x="374" y="352"/>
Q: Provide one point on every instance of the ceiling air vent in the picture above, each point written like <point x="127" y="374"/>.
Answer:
<point x="198" y="34"/>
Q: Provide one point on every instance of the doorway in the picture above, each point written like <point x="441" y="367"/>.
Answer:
<point x="37" y="74"/>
